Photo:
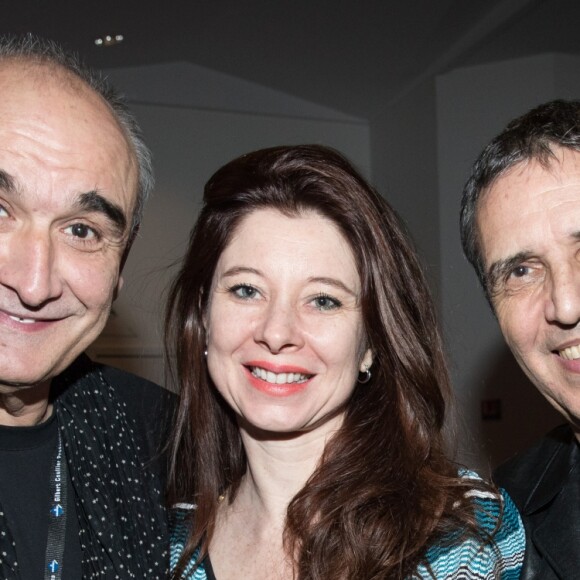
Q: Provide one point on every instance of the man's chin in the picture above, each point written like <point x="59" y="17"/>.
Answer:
<point x="35" y="368"/>
<point x="12" y="385"/>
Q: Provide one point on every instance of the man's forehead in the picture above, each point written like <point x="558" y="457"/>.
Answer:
<point x="537" y="174"/>
<point x="48" y="85"/>
<point x="40" y="73"/>
<point x="48" y="113"/>
<point x="532" y="203"/>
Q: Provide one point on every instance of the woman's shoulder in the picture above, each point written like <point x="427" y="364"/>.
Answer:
<point x="496" y="517"/>
<point x="180" y="522"/>
<point x="497" y="553"/>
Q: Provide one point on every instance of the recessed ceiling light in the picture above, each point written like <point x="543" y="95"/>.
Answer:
<point x="109" y="40"/>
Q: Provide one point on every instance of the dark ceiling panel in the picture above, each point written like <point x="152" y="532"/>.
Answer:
<point x="353" y="55"/>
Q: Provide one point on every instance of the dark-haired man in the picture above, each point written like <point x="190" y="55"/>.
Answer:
<point x="520" y="228"/>
<point x="79" y="493"/>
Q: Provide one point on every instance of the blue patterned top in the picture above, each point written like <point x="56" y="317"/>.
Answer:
<point x="468" y="559"/>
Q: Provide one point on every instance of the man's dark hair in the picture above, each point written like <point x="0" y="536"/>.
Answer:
<point x="36" y="50"/>
<point x="532" y="136"/>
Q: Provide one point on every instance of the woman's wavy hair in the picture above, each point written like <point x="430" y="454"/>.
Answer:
<point x="384" y="490"/>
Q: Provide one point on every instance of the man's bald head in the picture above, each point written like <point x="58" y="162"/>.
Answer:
<point x="32" y="52"/>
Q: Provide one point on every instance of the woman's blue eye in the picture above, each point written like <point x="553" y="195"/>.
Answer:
<point x="325" y="302"/>
<point x="244" y="291"/>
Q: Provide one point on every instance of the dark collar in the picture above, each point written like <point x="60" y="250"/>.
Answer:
<point x="557" y="473"/>
<point x="78" y="369"/>
<point x="554" y="506"/>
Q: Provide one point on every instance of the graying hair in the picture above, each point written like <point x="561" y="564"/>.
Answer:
<point x="534" y="135"/>
<point x="35" y="49"/>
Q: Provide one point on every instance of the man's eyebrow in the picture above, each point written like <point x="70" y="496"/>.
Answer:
<point x="89" y="201"/>
<point x="93" y="201"/>
<point x="501" y="268"/>
<point x="7" y="182"/>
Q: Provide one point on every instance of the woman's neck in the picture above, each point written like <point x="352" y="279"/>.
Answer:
<point x="279" y="465"/>
<point x="248" y="540"/>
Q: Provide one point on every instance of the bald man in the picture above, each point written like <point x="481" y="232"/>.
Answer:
<point x="80" y="493"/>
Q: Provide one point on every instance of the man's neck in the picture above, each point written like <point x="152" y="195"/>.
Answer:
<point x="25" y="406"/>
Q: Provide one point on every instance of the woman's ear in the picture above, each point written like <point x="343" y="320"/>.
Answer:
<point x="203" y="310"/>
<point x="367" y="361"/>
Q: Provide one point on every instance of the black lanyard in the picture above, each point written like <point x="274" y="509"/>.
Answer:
<point x="57" y="516"/>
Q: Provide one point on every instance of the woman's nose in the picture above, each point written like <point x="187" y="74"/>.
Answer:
<point x="279" y="328"/>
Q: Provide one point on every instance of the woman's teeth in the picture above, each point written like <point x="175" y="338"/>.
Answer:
<point x="278" y="378"/>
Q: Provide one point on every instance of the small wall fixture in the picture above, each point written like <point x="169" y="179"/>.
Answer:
<point x="109" y="40"/>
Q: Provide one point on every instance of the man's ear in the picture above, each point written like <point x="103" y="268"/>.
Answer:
<point x="118" y="287"/>
<point x="121" y="281"/>
<point x="128" y="245"/>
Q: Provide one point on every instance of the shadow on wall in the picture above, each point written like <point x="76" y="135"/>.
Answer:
<point x="513" y="413"/>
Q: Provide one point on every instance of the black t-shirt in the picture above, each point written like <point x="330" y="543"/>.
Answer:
<point x="27" y="456"/>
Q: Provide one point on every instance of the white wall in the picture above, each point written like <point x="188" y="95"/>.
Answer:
<point x="473" y="105"/>
<point x="422" y="148"/>
<point x="178" y="108"/>
<point x="184" y="84"/>
<point x="404" y="155"/>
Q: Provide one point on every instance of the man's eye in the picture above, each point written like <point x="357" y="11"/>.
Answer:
<point x="82" y="231"/>
<point x="520" y="271"/>
<point x="3" y="212"/>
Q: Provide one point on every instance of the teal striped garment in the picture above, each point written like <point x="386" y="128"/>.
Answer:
<point x="468" y="559"/>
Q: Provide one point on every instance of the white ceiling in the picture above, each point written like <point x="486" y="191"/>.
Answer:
<point x="353" y="55"/>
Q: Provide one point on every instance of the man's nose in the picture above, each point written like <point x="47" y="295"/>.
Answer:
<point x="279" y="329"/>
<point x="563" y="304"/>
<point x="28" y="267"/>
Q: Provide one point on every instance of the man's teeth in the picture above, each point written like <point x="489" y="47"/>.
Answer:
<point x="278" y="378"/>
<point x="570" y="353"/>
<point x="22" y="320"/>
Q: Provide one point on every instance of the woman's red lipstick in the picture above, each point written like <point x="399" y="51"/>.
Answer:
<point x="284" y="389"/>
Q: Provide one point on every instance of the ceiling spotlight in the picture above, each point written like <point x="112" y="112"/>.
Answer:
<point x="109" y="40"/>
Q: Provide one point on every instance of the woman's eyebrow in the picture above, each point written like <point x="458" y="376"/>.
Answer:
<point x="235" y="270"/>
<point x="328" y="281"/>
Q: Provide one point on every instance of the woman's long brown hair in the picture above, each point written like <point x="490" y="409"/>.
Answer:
<point x="384" y="490"/>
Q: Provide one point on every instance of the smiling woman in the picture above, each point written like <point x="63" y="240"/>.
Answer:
<point x="285" y="321"/>
<point x="313" y="391"/>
